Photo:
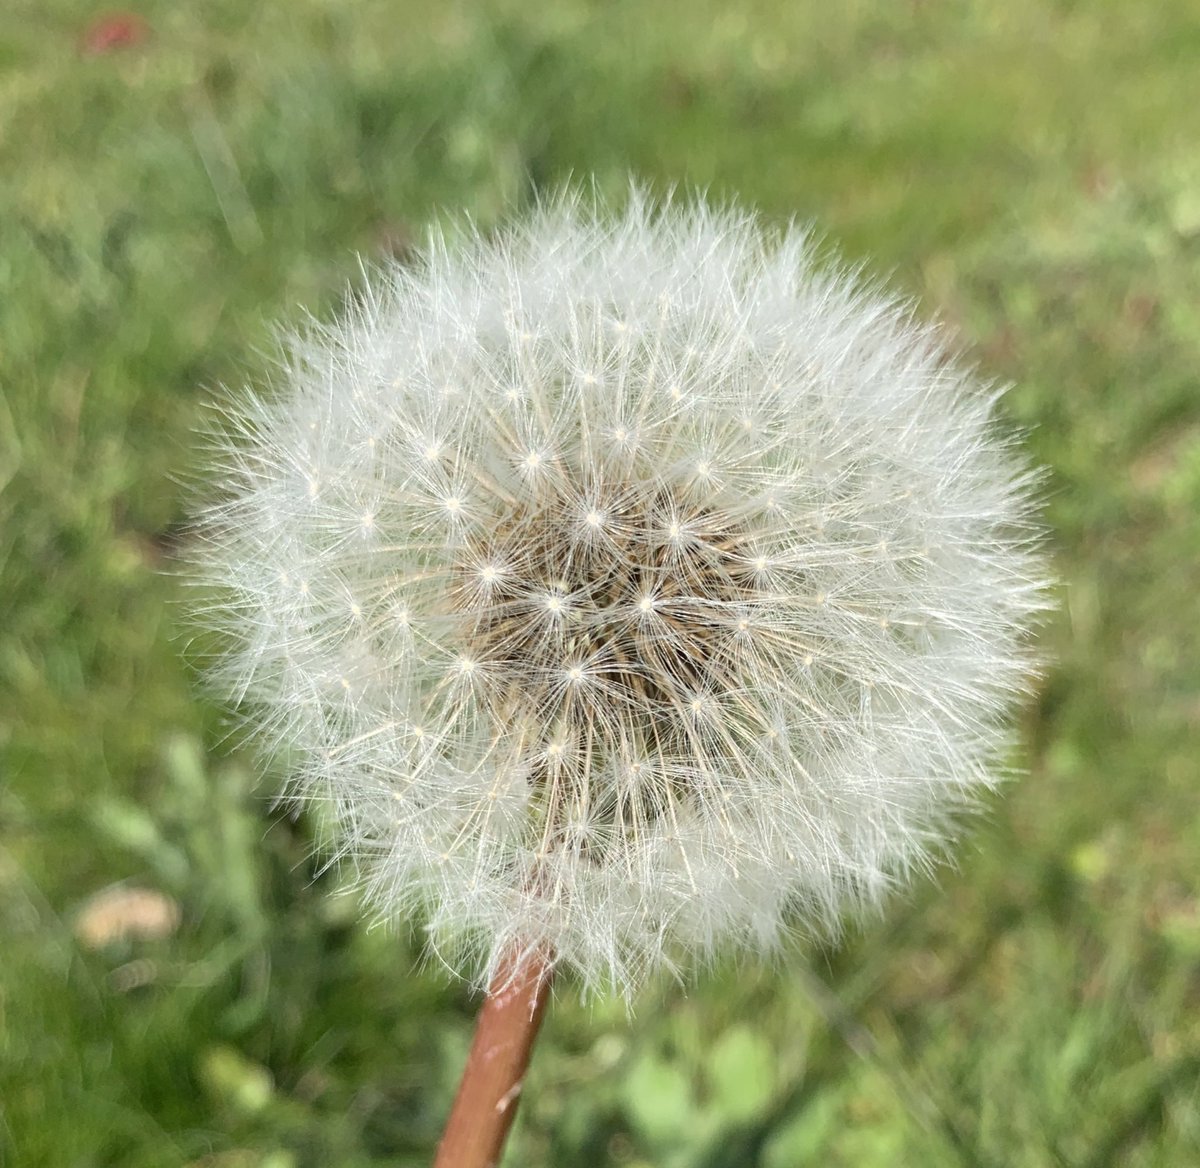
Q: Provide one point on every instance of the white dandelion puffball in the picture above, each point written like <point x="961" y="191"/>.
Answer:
<point x="629" y="584"/>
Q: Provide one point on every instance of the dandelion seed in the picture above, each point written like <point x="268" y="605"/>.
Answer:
<point x="720" y="618"/>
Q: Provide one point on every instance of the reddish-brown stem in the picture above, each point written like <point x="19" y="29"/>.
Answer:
<point x="491" y="1083"/>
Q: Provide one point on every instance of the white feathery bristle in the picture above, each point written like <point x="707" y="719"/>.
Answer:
<point x="628" y="583"/>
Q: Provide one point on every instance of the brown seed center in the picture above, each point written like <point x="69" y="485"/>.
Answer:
<point x="612" y="613"/>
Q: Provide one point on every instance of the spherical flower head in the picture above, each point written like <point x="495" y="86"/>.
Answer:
<point x="629" y="583"/>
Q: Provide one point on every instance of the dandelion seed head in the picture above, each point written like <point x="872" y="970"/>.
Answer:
<point x="628" y="582"/>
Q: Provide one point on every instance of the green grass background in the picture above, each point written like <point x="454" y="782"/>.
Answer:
<point x="1029" y="170"/>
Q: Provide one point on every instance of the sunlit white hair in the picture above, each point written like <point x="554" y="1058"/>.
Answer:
<point x="628" y="583"/>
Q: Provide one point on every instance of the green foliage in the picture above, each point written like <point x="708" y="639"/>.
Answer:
<point x="1028" y="170"/>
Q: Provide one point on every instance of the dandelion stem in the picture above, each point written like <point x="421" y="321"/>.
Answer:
<point x="490" y="1089"/>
